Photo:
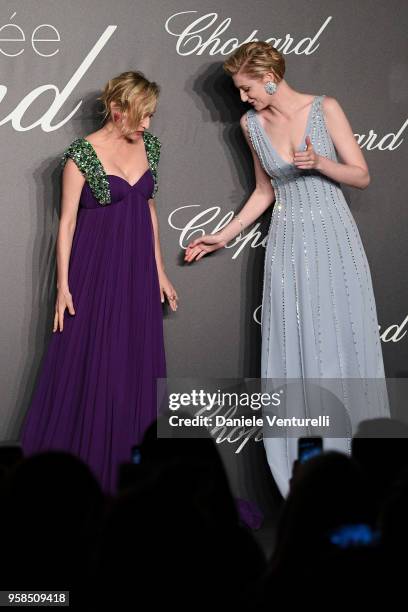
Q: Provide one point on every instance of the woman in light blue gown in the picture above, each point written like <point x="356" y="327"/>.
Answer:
<point x="319" y="321"/>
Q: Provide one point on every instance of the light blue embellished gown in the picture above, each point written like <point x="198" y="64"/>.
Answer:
<point x="319" y="317"/>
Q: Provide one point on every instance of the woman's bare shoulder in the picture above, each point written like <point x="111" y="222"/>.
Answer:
<point x="330" y="104"/>
<point x="95" y="138"/>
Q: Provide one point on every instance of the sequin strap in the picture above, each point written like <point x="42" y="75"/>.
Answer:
<point x="250" y="129"/>
<point x="83" y="154"/>
<point x="319" y="108"/>
<point x="152" y="146"/>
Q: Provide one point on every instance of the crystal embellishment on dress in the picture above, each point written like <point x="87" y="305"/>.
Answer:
<point x="318" y="315"/>
<point x="83" y="154"/>
<point x="85" y="157"/>
<point x="152" y="145"/>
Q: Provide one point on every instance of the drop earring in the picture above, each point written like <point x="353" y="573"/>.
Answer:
<point x="270" y="87"/>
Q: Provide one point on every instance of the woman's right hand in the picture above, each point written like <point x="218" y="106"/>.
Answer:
<point x="201" y="246"/>
<point x="64" y="300"/>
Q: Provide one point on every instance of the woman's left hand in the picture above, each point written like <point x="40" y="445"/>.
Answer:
<point x="307" y="159"/>
<point x="167" y="289"/>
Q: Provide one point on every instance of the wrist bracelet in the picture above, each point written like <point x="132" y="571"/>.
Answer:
<point x="239" y="220"/>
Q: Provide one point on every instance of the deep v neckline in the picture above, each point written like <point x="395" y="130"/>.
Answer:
<point x="299" y="148"/>
<point x="117" y="175"/>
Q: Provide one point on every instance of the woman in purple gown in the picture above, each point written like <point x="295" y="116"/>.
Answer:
<point x="96" y="392"/>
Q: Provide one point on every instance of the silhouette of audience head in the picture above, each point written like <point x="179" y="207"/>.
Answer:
<point x="327" y="491"/>
<point x="173" y="533"/>
<point x="50" y="503"/>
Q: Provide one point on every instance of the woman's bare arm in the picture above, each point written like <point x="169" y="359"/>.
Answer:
<point x="260" y="199"/>
<point x="157" y="249"/>
<point x="167" y="289"/>
<point x="72" y="183"/>
<point x="354" y="170"/>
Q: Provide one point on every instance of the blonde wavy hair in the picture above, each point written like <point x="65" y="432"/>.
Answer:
<point x="255" y="59"/>
<point x="134" y="95"/>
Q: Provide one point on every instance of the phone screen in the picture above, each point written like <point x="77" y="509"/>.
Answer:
<point x="136" y="455"/>
<point x="309" y="447"/>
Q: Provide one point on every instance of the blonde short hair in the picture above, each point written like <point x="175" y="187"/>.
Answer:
<point x="255" y="59"/>
<point x="135" y="96"/>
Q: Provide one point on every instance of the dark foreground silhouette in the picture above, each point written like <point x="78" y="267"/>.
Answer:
<point x="172" y="536"/>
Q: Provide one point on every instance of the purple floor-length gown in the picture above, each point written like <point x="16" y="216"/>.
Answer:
<point x="96" y="392"/>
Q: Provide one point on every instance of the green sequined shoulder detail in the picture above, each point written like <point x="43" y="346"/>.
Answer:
<point x="152" y="146"/>
<point x="85" y="157"/>
<point x="83" y="154"/>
